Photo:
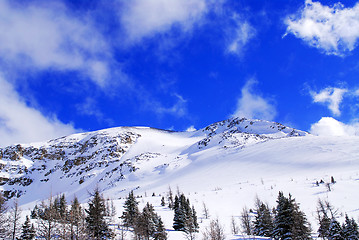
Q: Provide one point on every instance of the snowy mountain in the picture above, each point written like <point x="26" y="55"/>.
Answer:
<point x="228" y="162"/>
<point x="121" y="156"/>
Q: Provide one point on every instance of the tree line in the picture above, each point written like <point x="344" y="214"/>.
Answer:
<point x="55" y="219"/>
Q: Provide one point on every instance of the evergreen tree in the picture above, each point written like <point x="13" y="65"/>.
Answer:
<point x="62" y="208"/>
<point x="149" y="225"/>
<point x="179" y="215"/>
<point x="160" y="233"/>
<point x="283" y="220"/>
<point x="131" y="211"/>
<point x="145" y="225"/>
<point x="77" y="221"/>
<point x="335" y="231"/>
<point x="263" y="223"/>
<point x="28" y="230"/>
<point x="185" y="217"/>
<point x="96" y="223"/>
<point x="163" y="203"/>
<point x="290" y="222"/>
<point x="324" y="224"/>
<point x="325" y="213"/>
<point x="350" y="229"/>
<point x="301" y="228"/>
<point x="194" y="217"/>
<point x="170" y="198"/>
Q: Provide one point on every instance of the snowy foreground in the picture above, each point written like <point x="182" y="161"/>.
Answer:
<point x="224" y="166"/>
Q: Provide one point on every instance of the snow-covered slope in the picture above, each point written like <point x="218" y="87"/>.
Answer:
<point x="226" y="165"/>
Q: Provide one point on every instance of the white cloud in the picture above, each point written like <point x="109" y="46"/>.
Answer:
<point x="191" y="129"/>
<point x="328" y="126"/>
<point x="335" y="30"/>
<point x="23" y="124"/>
<point x="239" y="35"/>
<point x="49" y="36"/>
<point x="253" y="105"/>
<point x="330" y="96"/>
<point x="145" y="18"/>
<point x="179" y="108"/>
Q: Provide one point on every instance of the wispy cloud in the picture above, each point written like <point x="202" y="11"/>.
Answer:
<point x="330" y="96"/>
<point x="142" y="19"/>
<point x="252" y="104"/>
<point x="178" y="109"/>
<point x="239" y="35"/>
<point x="41" y="36"/>
<point x="21" y="123"/>
<point x="328" y="126"/>
<point x="332" y="29"/>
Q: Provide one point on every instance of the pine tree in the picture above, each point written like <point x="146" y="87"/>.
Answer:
<point x="325" y="213"/>
<point x="301" y="228"/>
<point x="163" y="203"/>
<point x="350" y="229"/>
<point x="131" y="211"/>
<point x="289" y="221"/>
<point x="149" y="225"/>
<point x="160" y="233"/>
<point x="283" y="220"/>
<point x="77" y="221"/>
<point x="263" y="223"/>
<point x="28" y="231"/>
<point x="62" y="208"/>
<point x="335" y="230"/>
<point x="179" y="215"/>
<point x="170" y="198"/>
<point x="185" y="217"/>
<point x="96" y="223"/>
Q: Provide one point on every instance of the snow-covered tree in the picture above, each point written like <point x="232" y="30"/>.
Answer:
<point x="77" y="221"/>
<point x="28" y="231"/>
<point x="149" y="225"/>
<point x="350" y="229"/>
<point x="96" y="222"/>
<point x="263" y="223"/>
<point x="131" y="211"/>
<point x="335" y="230"/>
<point x="289" y="221"/>
<point x="185" y="217"/>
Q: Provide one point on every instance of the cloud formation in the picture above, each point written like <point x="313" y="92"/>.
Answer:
<point x="239" y="35"/>
<point x="20" y="123"/>
<point x="253" y="105"/>
<point x="330" y="96"/>
<point x="142" y="19"/>
<point x="49" y="36"/>
<point x="335" y="30"/>
<point x="328" y="126"/>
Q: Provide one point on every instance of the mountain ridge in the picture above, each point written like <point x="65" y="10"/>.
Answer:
<point x="109" y="156"/>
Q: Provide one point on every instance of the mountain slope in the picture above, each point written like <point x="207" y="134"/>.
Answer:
<point x="226" y="165"/>
<point x="120" y="157"/>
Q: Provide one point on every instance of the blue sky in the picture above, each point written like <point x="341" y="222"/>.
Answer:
<point x="73" y="66"/>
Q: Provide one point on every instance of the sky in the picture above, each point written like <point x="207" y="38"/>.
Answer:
<point x="74" y="66"/>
